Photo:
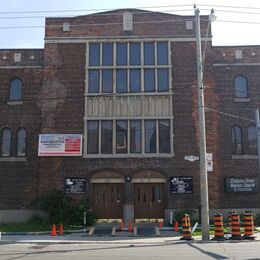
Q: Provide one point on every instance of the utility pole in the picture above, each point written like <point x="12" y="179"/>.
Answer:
<point x="257" y="120"/>
<point x="202" y="132"/>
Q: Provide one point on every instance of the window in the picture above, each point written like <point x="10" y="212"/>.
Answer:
<point x="93" y="133"/>
<point x="106" y="136"/>
<point x="93" y="77"/>
<point x="237" y="144"/>
<point x="164" y="136"/>
<point x="241" y="88"/>
<point x="125" y="136"/>
<point x="121" y="81"/>
<point x="6" y="142"/>
<point x="107" y="54"/>
<point x="21" y="142"/>
<point x="121" y="136"/>
<point x="94" y="54"/>
<point x="252" y="139"/>
<point x="135" y="136"/>
<point x="15" y="90"/>
<point x="121" y="54"/>
<point x="128" y="67"/>
<point x="150" y="136"/>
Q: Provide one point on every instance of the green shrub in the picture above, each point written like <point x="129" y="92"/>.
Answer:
<point x="180" y="213"/>
<point x="63" y="209"/>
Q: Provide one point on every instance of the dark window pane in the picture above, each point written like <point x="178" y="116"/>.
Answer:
<point x="21" y="142"/>
<point x="121" y="81"/>
<point x="149" y="81"/>
<point x="162" y="53"/>
<point x="135" y="136"/>
<point x="106" y="137"/>
<point x="241" y="90"/>
<point x="150" y="136"/>
<point x="164" y="136"/>
<point x="94" y="54"/>
<point x="16" y="89"/>
<point x="93" y="79"/>
<point x="163" y="80"/>
<point x="107" y="81"/>
<point x="6" y="142"/>
<point x="107" y="54"/>
<point x="121" y="54"/>
<point x="121" y="136"/>
<point x="149" y="53"/>
<point x="135" y="80"/>
<point x="237" y="145"/>
<point x="252" y="140"/>
<point x="92" y="133"/>
<point x="135" y="54"/>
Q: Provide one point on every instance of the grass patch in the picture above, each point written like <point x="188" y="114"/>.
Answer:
<point x="35" y="224"/>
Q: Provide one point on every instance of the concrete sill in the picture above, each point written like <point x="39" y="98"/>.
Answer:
<point x="13" y="159"/>
<point x="15" y="103"/>
<point x="242" y="100"/>
<point x="245" y="157"/>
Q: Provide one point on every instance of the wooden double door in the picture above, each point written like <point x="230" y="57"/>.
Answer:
<point x="149" y="200"/>
<point x="107" y="200"/>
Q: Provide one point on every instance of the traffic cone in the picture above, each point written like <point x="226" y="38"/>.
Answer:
<point x="235" y="225"/>
<point x="122" y="225"/>
<point x="186" y="228"/>
<point x="160" y="224"/>
<point x="53" y="231"/>
<point x="130" y="227"/>
<point x="249" y="226"/>
<point x="219" y="228"/>
<point x="61" y="230"/>
<point x="176" y="226"/>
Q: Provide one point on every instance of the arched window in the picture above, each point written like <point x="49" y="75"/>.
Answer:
<point x="21" y="142"/>
<point x="237" y="143"/>
<point x="16" y="86"/>
<point x="252" y="142"/>
<point x="240" y="86"/>
<point x="6" y="142"/>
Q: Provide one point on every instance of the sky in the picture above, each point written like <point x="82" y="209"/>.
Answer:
<point x="238" y="21"/>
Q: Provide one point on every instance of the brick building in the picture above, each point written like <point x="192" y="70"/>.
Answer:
<point x="126" y="80"/>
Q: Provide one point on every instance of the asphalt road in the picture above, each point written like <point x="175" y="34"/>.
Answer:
<point x="124" y="251"/>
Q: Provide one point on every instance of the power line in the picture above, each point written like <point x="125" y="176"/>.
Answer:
<point x="227" y="114"/>
<point x="92" y="10"/>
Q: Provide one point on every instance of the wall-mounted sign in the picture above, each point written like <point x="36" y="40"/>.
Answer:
<point x="75" y="185"/>
<point x="242" y="184"/>
<point x="60" y="145"/>
<point x="209" y="159"/>
<point x="181" y="185"/>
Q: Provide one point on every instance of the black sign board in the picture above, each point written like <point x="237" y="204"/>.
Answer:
<point x="75" y="185"/>
<point x="181" y="185"/>
<point x="238" y="184"/>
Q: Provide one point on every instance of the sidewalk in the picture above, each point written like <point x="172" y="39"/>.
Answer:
<point x="123" y="239"/>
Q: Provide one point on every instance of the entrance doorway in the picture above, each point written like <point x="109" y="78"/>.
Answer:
<point x="107" y="200"/>
<point x="149" y="201"/>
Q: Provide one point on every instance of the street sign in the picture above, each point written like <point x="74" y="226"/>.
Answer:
<point x="191" y="158"/>
<point x="209" y="162"/>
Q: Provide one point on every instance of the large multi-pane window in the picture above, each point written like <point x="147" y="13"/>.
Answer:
<point x="149" y="136"/>
<point x="6" y="142"/>
<point x="237" y="140"/>
<point x="241" y="87"/>
<point x="125" y="67"/>
<point x="21" y="142"/>
<point x="16" y="86"/>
